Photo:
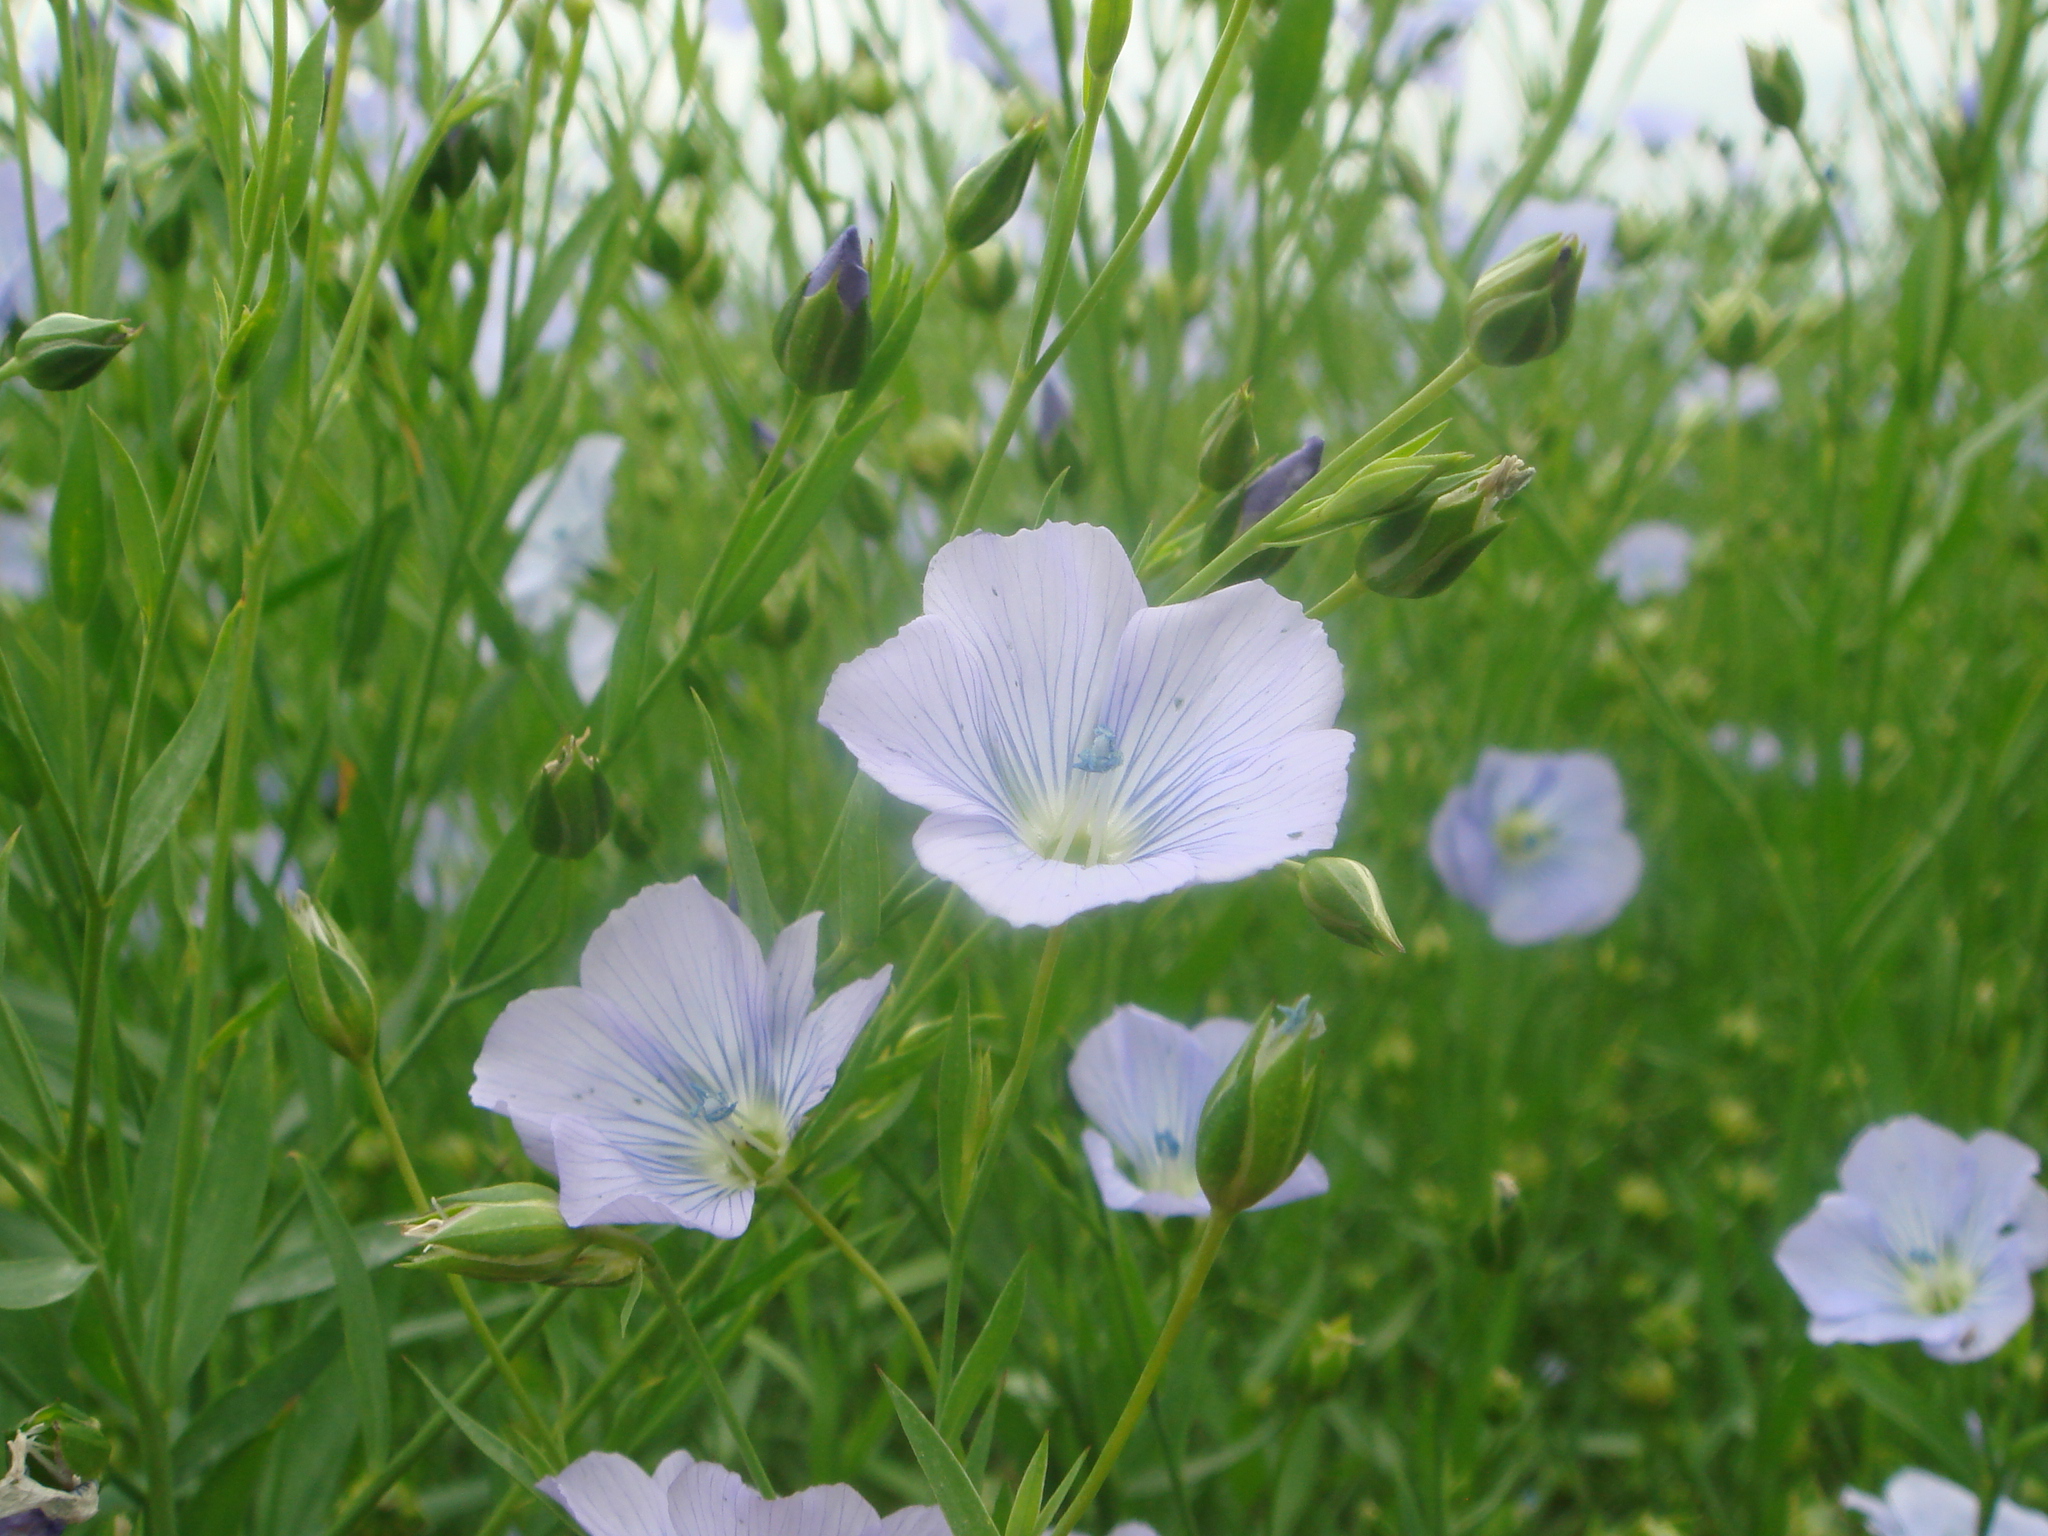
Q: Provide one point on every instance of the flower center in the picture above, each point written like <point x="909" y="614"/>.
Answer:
<point x="1082" y="821"/>
<point x="1522" y="836"/>
<point x="1937" y="1284"/>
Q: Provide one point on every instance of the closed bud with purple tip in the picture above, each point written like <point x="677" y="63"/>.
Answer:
<point x="1240" y="513"/>
<point x="822" y="336"/>
<point x="1521" y="307"/>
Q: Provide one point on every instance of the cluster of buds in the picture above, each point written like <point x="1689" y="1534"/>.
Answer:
<point x="1419" y="550"/>
<point x="1257" y="1120"/>
<point x="569" y="807"/>
<point x="516" y="1232"/>
<point x="70" y="1450"/>
<point x="63" y="351"/>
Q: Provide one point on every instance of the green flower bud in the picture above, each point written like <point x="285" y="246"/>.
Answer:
<point x="676" y="243"/>
<point x="1230" y="442"/>
<point x="165" y="230"/>
<point x="249" y="343"/>
<point x="986" y="277"/>
<point x="569" y="808"/>
<point x="19" y="780"/>
<point x="501" y="140"/>
<point x="1777" y="85"/>
<point x="65" y="351"/>
<point x="532" y="26"/>
<point x="355" y="13"/>
<point x="1342" y="895"/>
<point x="516" y="1232"/>
<point x="686" y="153"/>
<point x="867" y="506"/>
<point x="1109" y="23"/>
<point x="940" y="452"/>
<point x="866" y="84"/>
<point x="451" y="169"/>
<point x="1409" y="176"/>
<point x="1421" y="551"/>
<point x="1521" y="307"/>
<point x="705" y="280"/>
<point x="784" y="614"/>
<point x="1638" y="236"/>
<point x="1737" y="327"/>
<point x="987" y="197"/>
<point x="577" y="13"/>
<point x="1384" y="487"/>
<point x="1797" y="233"/>
<point x="811" y="105"/>
<point x="330" y="981"/>
<point x="822" y="336"/>
<point x="1325" y="1355"/>
<point x="1256" y="1123"/>
<point x="71" y="1445"/>
<point x="1497" y="1241"/>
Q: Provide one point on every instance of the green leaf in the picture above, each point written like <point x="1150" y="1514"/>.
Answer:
<point x="514" y="1464"/>
<point x="361" y="1326"/>
<point x="367" y="862"/>
<point x="304" y="96"/>
<point x="110" y="246"/>
<point x="979" y="1369"/>
<point x="26" y="1284"/>
<point x="1879" y="1385"/>
<point x="78" y="529"/>
<point x="493" y="617"/>
<point x="860" y="866"/>
<point x="168" y="786"/>
<point x="965" y="1514"/>
<point x="251" y="1406"/>
<point x="957" y="1142"/>
<point x="742" y="864"/>
<point x="222" y="1231"/>
<point x="627" y="679"/>
<point x="1027" y="1509"/>
<point x="23" y="1068"/>
<point x="1286" y="76"/>
<point x="134" y="516"/>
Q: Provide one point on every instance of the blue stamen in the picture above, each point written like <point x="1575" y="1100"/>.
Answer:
<point x="1101" y="753"/>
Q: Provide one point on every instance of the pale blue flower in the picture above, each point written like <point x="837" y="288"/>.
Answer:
<point x="1659" y="125"/>
<point x="1916" y="1503"/>
<point x="608" y="1495"/>
<point x="560" y="519"/>
<point x="1930" y="1238"/>
<point x="1652" y="559"/>
<point x="592" y="635"/>
<point x="1077" y="748"/>
<point x="1536" y="842"/>
<point x="684" y="1062"/>
<point x="1142" y="1081"/>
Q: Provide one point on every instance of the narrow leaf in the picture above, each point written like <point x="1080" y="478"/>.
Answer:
<point x="741" y="862"/>
<point x="175" y="774"/>
<point x="362" y="1329"/>
<point x="78" y="529"/>
<point x="493" y="1446"/>
<point x="24" y="1066"/>
<point x="627" y="679"/>
<point x="1286" y="75"/>
<point x="251" y="1406"/>
<point x="860" y="866"/>
<point x="1027" y="1510"/>
<point x="956" y="1117"/>
<point x="979" y="1369"/>
<point x="26" y="1284"/>
<point x="965" y="1514"/>
<point x="134" y="517"/>
<point x="222" y="1231"/>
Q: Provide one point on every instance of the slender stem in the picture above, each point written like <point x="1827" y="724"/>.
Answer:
<point x="21" y="149"/>
<point x="665" y="1288"/>
<point x="1213" y="1229"/>
<point x="873" y="1276"/>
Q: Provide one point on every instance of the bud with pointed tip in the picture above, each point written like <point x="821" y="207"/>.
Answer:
<point x="821" y="338"/>
<point x="866" y="84"/>
<point x="1109" y="23"/>
<point x="1230" y="442"/>
<point x="65" y="351"/>
<point x="1240" y="513"/>
<point x="1255" y="1125"/>
<point x="1420" y="552"/>
<point x="1737" y="327"/>
<point x="1776" y="84"/>
<point x="1325" y="1355"/>
<point x="569" y="808"/>
<point x="986" y="278"/>
<point x="939" y="452"/>
<point x="1797" y="233"/>
<point x="330" y="981"/>
<point x="987" y="197"/>
<point x="516" y="1232"/>
<point x="1342" y="895"/>
<point x="1521" y="307"/>
<point x="1638" y="236"/>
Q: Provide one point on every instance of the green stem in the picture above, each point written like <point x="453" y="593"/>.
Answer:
<point x="665" y="1288"/>
<point x="873" y="1276"/>
<point x="1213" y="1230"/>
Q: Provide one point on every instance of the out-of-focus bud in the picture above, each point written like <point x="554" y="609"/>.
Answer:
<point x="500" y="134"/>
<point x="569" y="808"/>
<point x="686" y="153"/>
<point x="516" y="1232"/>
<point x="986" y="278"/>
<point x="577" y="13"/>
<point x="821" y="338"/>
<point x="1256" y="1123"/>
<point x="1521" y="307"/>
<point x="1497" y="1241"/>
<point x="1418" y="553"/>
<point x="355" y="13"/>
<point x="1776" y="84"/>
<point x="1342" y="895"/>
<point x="1261" y="496"/>
<point x="451" y="169"/>
<point x="330" y="981"/>
<point x="532" y="26"/>
<point x="706" y="280"/>
<point x="65" y="351"/>
<point x="19" y="781"/>
<point x="1015" y="111"/>
<point x="1737" y="327"/>
<point x="71" y="1445"/>
<point x="633" y="832"/>
<point x="164" y="232"/>
<point x="1056" y="444"/>
<point x="1797" y="233"/>
<point x="1109" y="23"/>
<point x="1230" y="442"/>
<point x="867" y="506"/>
<point x="1325" y="1355"/>
<point x="987" y="197"/>
<point x="939" y="452"/>
<point x="1638" y="236"/>
<point x="1409" y="176"/>
<point x="866" y="84"/>
<point x="813" y="103"/>
<point x="676" y="242"/>
<point x="784" y="614"/>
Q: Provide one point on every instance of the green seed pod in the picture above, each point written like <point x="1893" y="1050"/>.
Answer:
<point x="866" y="85"/>
<point x="1777" y="85"/>
<point x="516" y="1232"/>
<point x="19" y="780"/>
<point x="939" y="452"/>
<point x="986" y="278"/>
<point x="1420" y="552"/>
<point x="65" y="351"/>
<point x="1521" y="307"/>
<point x="500" y="135"/>
<point x="867" y="506"/>
<point x="1342" y="895"/>
<point x="330" y="981"/>
<point x="1737" y="327"/>
<point x="569" y="808"/>
<point x="1255" y="1125"/>
<point x="821" y="338"/>
<point x="1797" y="233"/>
<point x="1230" y="442"/>
<point x="676" y="242"/>
<point x="987" y="197"/>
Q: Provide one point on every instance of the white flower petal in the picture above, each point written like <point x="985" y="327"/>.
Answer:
<point x="608" y="1179"/>
<point x="2002" y="1186"/>
<point x="1007" y="880"/>
<point x="1836" y="1260"/>
<point x="707" y="1500"/>
<point x="1579" y="887"/>
<point x="1915" y="1175"/>
<point x="916" y="1520"/>
<point x="608" y="1495"/>
<point x="833" y="1510"/>
<point x="1311" y="1178"/>
<point x="593" y="634"/>
<point x="1142" y="1080"/>
<point x="1925" y="1505"/>
<point x="1120" y="1194"/>
<point x="808" y="1058"/>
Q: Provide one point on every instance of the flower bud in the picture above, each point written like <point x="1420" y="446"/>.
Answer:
<point x="811" y="105"/>
<point x="355" y="13"/>
<point x="65" y="351"/>
<point x="866" y="84"/>
<point x="1638" y="236"/>
<point x="987" y="197"/>
<point x="1409" y="176"/>
<point x="516" y="1232"/>
<point x="1056" y="444"/>
<point x="867" y="506"/>
<point x="821" y="338"/>
<point x="1777" y="85"/>
<point x="451" y="169"/>
<point x="1239" y="513"/>
<point x="1797" y="233"/>
<point x="577" y="13"/>
<point x="330" y="981"/>
<point x="986" y="278"/>
<point x="1497" y="1241"/>
<point x="676" y="242"/>
<point x="1387" y="485"/>
<point x="569" y="808"/>
<point x="1521" y="307"/>
<point x="939" y="452"/>
<point x="1109" y="23"/>
<point x="686" y="153"/>
<point x="1342" y="895"/>
<point x="1419" y="552"/>
<point x="19" y="780"/>
<point x="164" y="233"/>
<point x="1256" y="1122"/>
<point x="1230" y="442"/>
<point x="70" y="1444"/>
<point x="1737" y="327"/>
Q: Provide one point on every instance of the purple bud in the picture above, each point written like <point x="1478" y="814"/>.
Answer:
<point x="1970" y="102"/>
<point x="1055" y="410"/>
<point x="842" y="264"/>
<point x="1281" y="481"/>
<point x="764" y="436"/>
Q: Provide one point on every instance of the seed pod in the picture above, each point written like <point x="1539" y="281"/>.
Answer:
<point x="1521" y="307"/>
<point x="1342" y="895"/>
<point x="866" y="85"/>
<point x="1230" y="442"/>
<point x="516" y="1232"/>
<point x="821" y="338"/>
<point x="987" y="197"/>
<point x="1109" y="23"/>
<point x="330" y="981"/>
<point x="569" y="808"/>
<point x="65" y="351"/>
<point x="1776" y="85"/>
<point x="1256" y="1122"/>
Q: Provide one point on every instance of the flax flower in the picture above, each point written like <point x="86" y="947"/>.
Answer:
<point x="1077" y="748"/>
<point x="1916" y="1503"/>
<point x="1930" y="1238"/>
<point x="1647" y="560"/>
<point x="665" y="1086"/>
<point x="608" y="1495"/>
